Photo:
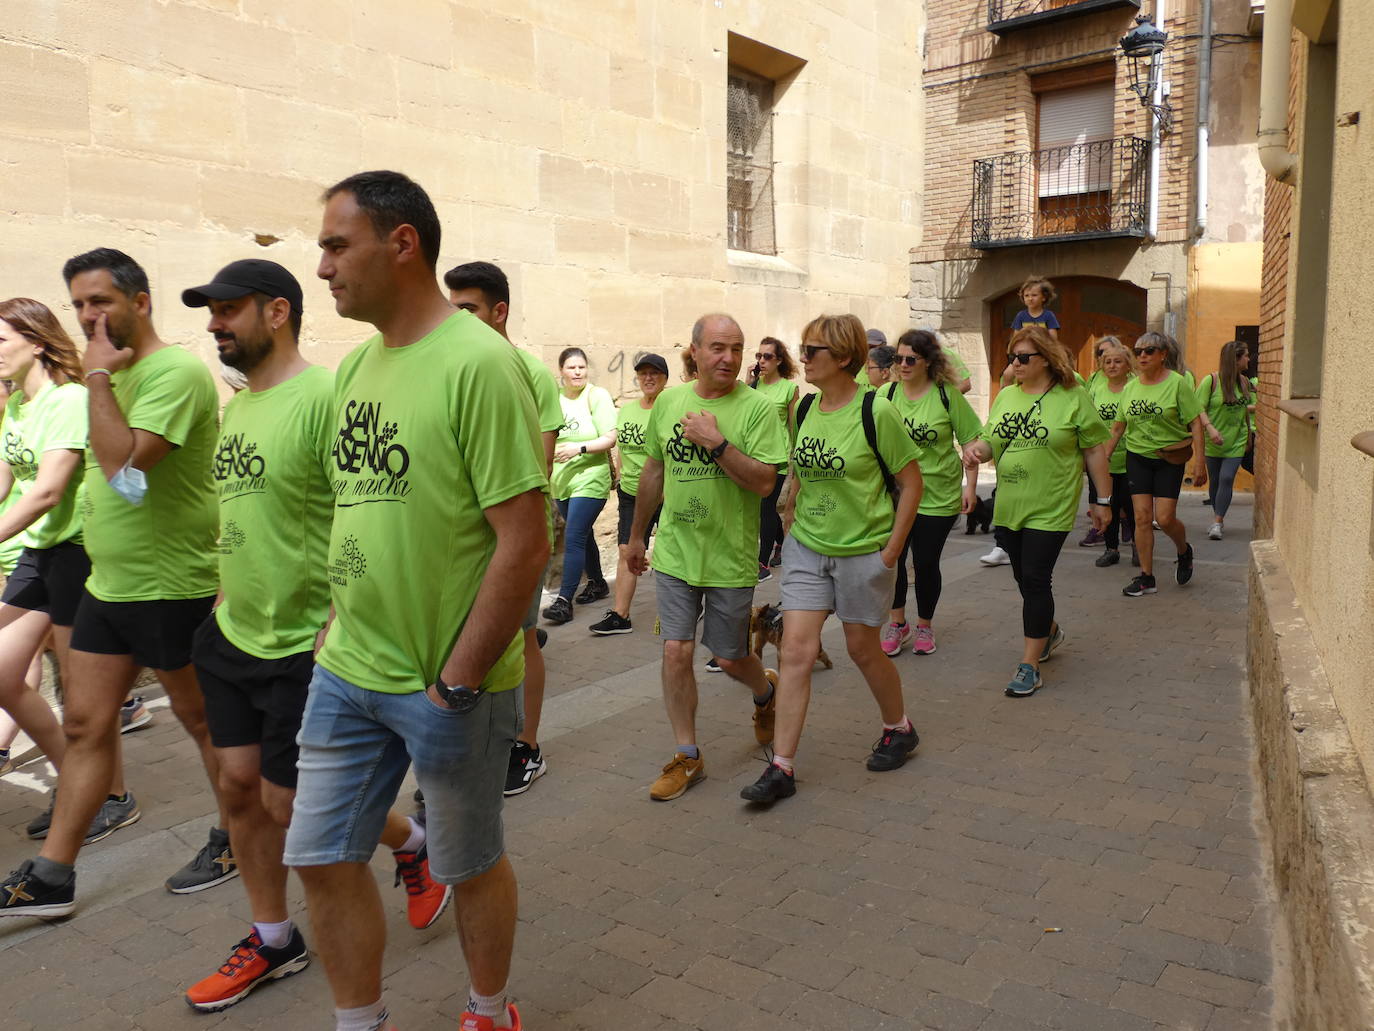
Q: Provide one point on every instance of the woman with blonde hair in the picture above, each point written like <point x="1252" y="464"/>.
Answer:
<point x="846" y="536"/>
<point x="1041" y="433"/>
<point x="1117" y="366"/>
<point x="1228" y="400"/>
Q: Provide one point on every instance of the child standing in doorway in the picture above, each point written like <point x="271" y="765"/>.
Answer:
<point x="1037" y="294"/>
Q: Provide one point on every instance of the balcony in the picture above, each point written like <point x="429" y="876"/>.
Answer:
<point x="1009" y="15"/>
<point x="1084" y="191"/>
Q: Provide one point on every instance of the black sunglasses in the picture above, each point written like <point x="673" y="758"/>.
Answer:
<point x="907" y="359"/>
<point x="1146" y="350"/>
<point x="1024" y="359"/>
<point x="811" y="350"/>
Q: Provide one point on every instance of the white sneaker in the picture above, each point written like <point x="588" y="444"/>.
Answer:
<point x="996" y="557"/>
<point x="1214" y="532"/>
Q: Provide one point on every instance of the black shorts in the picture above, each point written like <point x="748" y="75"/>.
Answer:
<point x="253" y="701"/>
<point x="627" y="518"/>
<point x="49" y="580"/>
<point x="1154" y="476"/>
<point x="156" y="633"/>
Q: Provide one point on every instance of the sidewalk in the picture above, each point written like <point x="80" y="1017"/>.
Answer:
<point x="1115" y="806"/>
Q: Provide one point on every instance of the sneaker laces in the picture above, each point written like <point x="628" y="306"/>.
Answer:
<point x="242" y="955"/>
<point x="410" y="870"/>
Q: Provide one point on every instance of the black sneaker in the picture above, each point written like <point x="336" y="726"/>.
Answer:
<point x="775" y="559"/>
<point x="1183" y="572"/>
<point x="712" y="666"/>
<point x="892" y="749"/>
<point x="764" y="573"/>
<point x="596" y="590"/>
<point x="614" y="623"/>
<point x="541" y="637"/>
<point x="23" y="894"/>
<point x="526" y="766"/>
<point x="114" y="813"/>
<point x="213" y="864"/>
<point x="773" y="783"/>
<point x="559" y="611"/>
<point x="1142" y="584"/>
<point x="38" y="826"/>
<point x="1110" y="557"/>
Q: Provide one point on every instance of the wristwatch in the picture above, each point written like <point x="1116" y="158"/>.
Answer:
<point x="459" y="698"/>
<point x="584" y="449"/>
<point x="719" y="449"/>
<point x="1103" y="501"/>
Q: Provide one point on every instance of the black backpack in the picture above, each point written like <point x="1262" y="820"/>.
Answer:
<point x="870" y="434"/>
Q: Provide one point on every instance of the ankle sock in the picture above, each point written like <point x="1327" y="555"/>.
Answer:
<point x="362" y="1018"/>
<point x="903" y="724"/>
<point x="493" y="1006"/>
<point x="51" y="872"/>
<point x="690" y="751"/>
<point x="121" y="799"/>
<point x="761" y="702"/>
<point x="784" y="763"/>
<point x="416" y="839"/>
<point x="274" y="935"/>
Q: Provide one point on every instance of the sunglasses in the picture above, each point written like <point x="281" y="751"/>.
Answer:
<point x="764" y="356"/>
<point x="1024" y="359"/>
<point x="1139" y="351"/>
<point x="810" y="351"/>
<point x="907" y="359"/>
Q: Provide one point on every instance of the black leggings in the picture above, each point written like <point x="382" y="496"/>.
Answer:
<point x="1033" y="555"/>
<point x="924" y="544"/>
<point x="770" y="523"/>
<point x="1123" y="511"/>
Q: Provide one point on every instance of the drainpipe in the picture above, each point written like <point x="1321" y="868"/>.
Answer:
<point x="1279" y="163"/>
<point x="1157" y="99"/>
<point x="1204" y="103"/>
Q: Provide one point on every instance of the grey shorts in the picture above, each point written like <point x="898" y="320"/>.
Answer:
<point x="857" y="588"/>
<point x="725" y="632"/>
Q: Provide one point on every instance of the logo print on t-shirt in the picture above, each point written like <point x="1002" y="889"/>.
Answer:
<point x="813" y="455"/>
<point x="921" y="433"/>
<point x="570" y="425"/>
<point x="231" y="537"/>
<point x="1106" y="411"/>
<point x="351" y="563"/>
<point x="689" y="460"/>
<point x="238" y="468"/>
<point x="1144" y="409"/>
<point x="630" y="434"/>
<point x="695" y="512"/>
<point x="366" y="444"/>
<point x="1021" y="429"/>
<point x="1013" y="474"/>
<point x="20" y="457"/>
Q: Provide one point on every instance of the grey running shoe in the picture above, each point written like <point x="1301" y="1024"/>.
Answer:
<point x="114" y="814"/>
<point x="1024" y="682"/>
<point x="38" y="826"/>
<point x="133" y="714"/>
<point x="1055" y="640"/>
<point x="213" y="864"/>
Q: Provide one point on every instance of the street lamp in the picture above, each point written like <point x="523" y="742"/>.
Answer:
<point x="1142" y="47"/>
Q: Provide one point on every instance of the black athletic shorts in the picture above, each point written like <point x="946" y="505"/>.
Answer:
<point x="156" y="633"/>
<point x="1154" y="476"/>
<point x="253" y="701"/>
<point x="627" y="518"/>
<point x="49" y="580"/>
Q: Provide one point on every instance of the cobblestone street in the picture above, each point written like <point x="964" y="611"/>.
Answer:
<point x="1088" y="858"/>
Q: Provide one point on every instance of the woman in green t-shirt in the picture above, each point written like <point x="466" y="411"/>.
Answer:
<point x="1228" y="400"/>
<point x="772" y="376"/>
<point x="1162" y="422"/>
<point x="1041" y="432"/>
<point x="935" y="415"/>
<point x="843" y="545"/>
<point x="581" y="481"/>
<point x="1116" y="369"/>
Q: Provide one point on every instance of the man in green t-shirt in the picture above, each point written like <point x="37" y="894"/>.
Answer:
<point x="149" y="530"/>
<point x="712" y="448"/>
<point x="439" y="537"/>
<point x="255" y="654"/>
<point x="483" y="289"/>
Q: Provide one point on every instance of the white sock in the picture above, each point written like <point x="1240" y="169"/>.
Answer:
<point x="362" y="1018"/>
<point x="903" y="724"/>
<point x="783" y="762"/>
<point x="493" y="1006"/>
<point x="274" y="936"/>
<point x="416" y="839"/>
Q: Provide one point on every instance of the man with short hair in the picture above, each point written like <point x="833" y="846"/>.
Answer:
<point x="483" y="289"/>
<point x="150" y="532"/>
<point x="439" y="537"/>
<point x="713" y="447"/>
<point x="255" y="653"/>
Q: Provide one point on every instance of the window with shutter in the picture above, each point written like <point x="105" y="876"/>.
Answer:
<point x="1070" y="119"/>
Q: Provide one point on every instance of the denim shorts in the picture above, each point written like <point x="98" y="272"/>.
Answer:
<point x="857" y="588"/>
<point x="356" y="746"/>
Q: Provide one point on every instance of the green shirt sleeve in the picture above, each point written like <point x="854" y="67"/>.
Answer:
<point x="653" y="432"/>
<point x="1091" y="429"/>
<point x="962" y="417"/>
<point x="68" y="423"/>
<point x="494" y="412"/>
<point x="765" y="440"/>
<point x="1189" y="407"/>
<point x="603" y="411"/>
<point x="162" y="404"/>
<point x="894" y="443"/>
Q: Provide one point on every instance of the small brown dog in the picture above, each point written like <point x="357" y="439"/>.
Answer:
<point x="765" y="627"/>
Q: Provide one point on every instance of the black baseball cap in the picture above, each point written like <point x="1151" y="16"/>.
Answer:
<point x="249" y="276"/>
<point x="654" y="361"/>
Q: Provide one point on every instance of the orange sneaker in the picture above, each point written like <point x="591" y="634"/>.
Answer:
<point x="765" y="714"/>
<point x="472" y="1022"/>
<point x="250" y="964"/>
<point x="425" y="900"/>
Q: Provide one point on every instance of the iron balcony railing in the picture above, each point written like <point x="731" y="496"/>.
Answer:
<point x="1008" y="15"/>
<point x="1076" y="192"/>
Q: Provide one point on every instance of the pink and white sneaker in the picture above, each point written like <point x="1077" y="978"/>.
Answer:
<point x="894" y="636"/>
<point x="925" y="641"/>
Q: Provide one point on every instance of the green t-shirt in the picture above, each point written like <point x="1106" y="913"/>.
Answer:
<point x="1106" y="402"/>
<point x="425" y="438"/>
<point x="545" y="390"/>
<point x="1232" y="421"/>
<point x="55" y="420"/>
<point x="708" y="534"/>
<point x="275" y="507"/>
<point x="957" y="364"/>
<point x="933" y="430"/>
<point x="586" y="417"/>
<point x="1037" y="442"/>
<point x="12" y="548"/>
<point x="1158" y="414"/>
<point x="780" y="392"/>
<point x="861" y="378"/>
<point x="842" y="507"/>
<point x="163" y="549"/>
<point x="631" y="422"/>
